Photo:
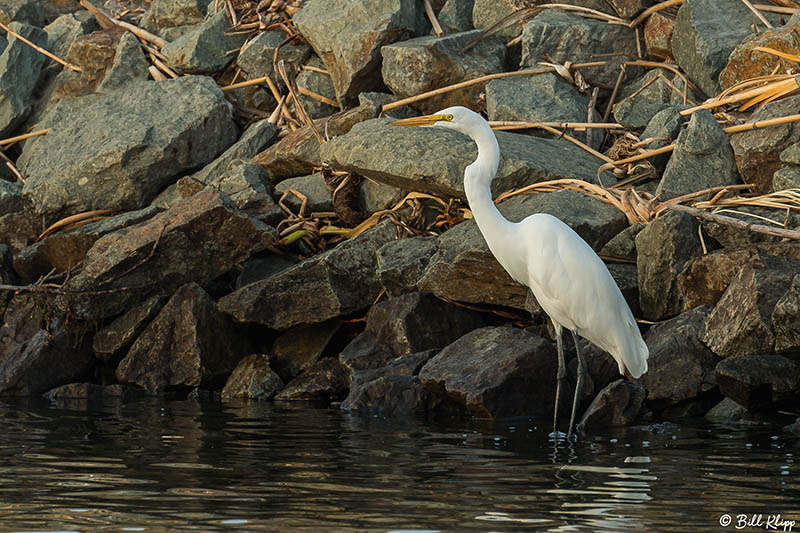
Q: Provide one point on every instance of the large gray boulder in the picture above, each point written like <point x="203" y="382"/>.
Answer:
<point x="19" y="71"/>
<point x="619" y="404"/>
<point x="426" y="63"/>
<point x="760" y="381"/>
<point x="252" y="378"/>
<point x="120" y="150"/>
<point x="23" y="11"/>
<point x="204" y="49"/>
<point x="257" y="57"/>
<point x="401" y="263"/>
<point x="163" y="14"/>
<point x="348" y="36"/>
<point x="542" y="98"/>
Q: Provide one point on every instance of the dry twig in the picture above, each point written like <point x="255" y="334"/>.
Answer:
<point x="40" y="50"/>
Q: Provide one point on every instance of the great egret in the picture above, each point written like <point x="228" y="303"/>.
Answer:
<point x="569" y="280"/>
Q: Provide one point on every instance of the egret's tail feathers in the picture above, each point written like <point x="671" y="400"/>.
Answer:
<point x="635" y="358"/>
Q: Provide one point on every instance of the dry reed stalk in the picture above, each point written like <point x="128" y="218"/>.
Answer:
<point x="757" y="13"/>
<point x="614" y="93"/>
<point x="671" y="68"/>
<point x="318" y="97"/>
<point x="73" y="219"/>
<point x="637" y="157"/>
<point x="481" y="79"/>
<point x="104" y="18"/>
<point x="780" y="86"/>
<point x="650" y="10"/>
<point x="503" y="125"/>
<point x="736" y="223"/>
<point x="12" y="140"/>
<point x="577" y="143"/>
<point x="776" y="9"/>
<point x="248" y="83"/>
<point x="306" y="118"/>
<point x="156" y="74"/>
<point x="784" y="55"/>
<point x="762" y="124"/>
<point x="274" y="117"/>
<point x="786" y="199"/>
<point x="587" y="11"/>
<point x="786" y="3"/>
<point x="40" y="50"/>
<point x="437" y="28"/>
<point x="316" y="69"/>
<point x="160" y="65"/>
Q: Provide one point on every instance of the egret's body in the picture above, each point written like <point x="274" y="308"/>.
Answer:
<point x="570" y="282"/>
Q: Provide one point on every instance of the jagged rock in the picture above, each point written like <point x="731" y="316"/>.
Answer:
<point x="640" y="101"/>
<point x="94" y="53"/>
<point x="463" y="268"/>
<point x="75" y="391"/>
<point x="404" y="157"/>
<point x="188" y="344"/>
<point x="41" y="362"/>
<point x="401" y="263"/>
<point x="25" y="315"/>
<point x="62" y="251"/>
<point x="760" y="381"/>
<point x="348" y="37"/>
<point x="129" y="64"/>
<point x="19" y="71"/>
<point x="562" y="36"/>
<point x="18" y="230"/>
<point x="786" y="178"/>
<point x="327" y="380"/>
<point x="663" y="248"/>
<point x="196" y="240"/>
<point x="456" y="15"/>
<point x="705" y="278"/>
<point x="758" y="152"/>
<point x="426" y="63"/>
<point x="327" y="285"/>
<point x="117" y="337"/>
<point x="623" y="244"/>
<point x="703" y="158"/>
<point x="257" y="57"/>
<point x="298" y="153"/>
<point x="786" y="319"/>
<point x="486" y="13"/>
<point x="312" y="186"/>
<point x="619" y="404"/>
<point x="63" y="31"/>
<point x="731" y="237"/>
<point x="298" y="348"/>
<point x="663" y="129"/>
<point x="364" y="352"/>
<point x="519" y="381"/>
<point x="745" y="63"/>
<point x="729" y="412"/>
<point x="10" y="197"/>
<point x="543" y="98"/>
<point x="258" y="268"/>
<point x="626" y="276"/>
<point x="252" y="378"/>
<point x="374" y="196"/>
<point x="122" y="149"/>
<point x="741" y="322"/>
<point x="319" y="83"/>
<point x="680" y="367"/>
<point x="22" y="11"/>
<point x="793" y="428"/>
<point x="164" y="14"/>
<point x="257" y="137"/>
<point x="702" y="40"/>
<point x="204" y="49"/>
<point x="628" y="9"/>
<point x="248" y="186"/>
<point x="658" y="35"/>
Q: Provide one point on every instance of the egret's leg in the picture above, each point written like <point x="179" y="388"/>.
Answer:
<point x="578" y="383"/>
<point x="562" y="374"/>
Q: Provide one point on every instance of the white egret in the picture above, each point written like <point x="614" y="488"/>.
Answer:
<point x="570" y="282"/>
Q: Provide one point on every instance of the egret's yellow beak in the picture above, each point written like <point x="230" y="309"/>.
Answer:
<point x="426" y="120"/>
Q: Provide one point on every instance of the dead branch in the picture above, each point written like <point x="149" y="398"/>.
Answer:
<point x="736" y="223"/>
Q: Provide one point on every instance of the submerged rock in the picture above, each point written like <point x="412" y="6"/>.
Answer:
<point x="327" y="380"/>
<point x="619" y="404"/>
<point x="760" y="381"/>
<point x="252" y="378"/>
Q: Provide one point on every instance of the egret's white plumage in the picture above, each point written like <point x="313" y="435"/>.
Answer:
<point x="570" y="282"/>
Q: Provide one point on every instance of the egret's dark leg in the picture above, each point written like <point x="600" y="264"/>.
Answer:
<point x="561" y="376"/>
<point x="578" y="383"/>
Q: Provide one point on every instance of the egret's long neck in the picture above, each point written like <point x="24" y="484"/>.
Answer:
<point x="477" y="186"/>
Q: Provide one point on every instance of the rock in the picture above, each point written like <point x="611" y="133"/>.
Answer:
<point x="122" y="149"/>
<point x="129" y="65"/>
<point x="204" y="49"/>
<point x="390" y="397"/>
<point x="705" y="278"/>
<point x="18" y="230"/>
<point x="327" y="380"/>
<point x="758" y="152"/>
<point x="626" y="276"/>
<point x="363" y="353"/>
<point x="6" y="278"/>
<point x="416" y="322"/>
<point x="331" y="284"/>
<point x="164" y="14"/>
<point x="42" y="362"/>
<point x="729" y="412"/>
<point x="463" y="269"/>
<point x="658" y="35"/>
<point x="374" y="196"/>
<point x="75" y="391"/>
<point x="543" y="98"/>
<point x="703" y="158"/>
<point x="64" y="250"/>
<point x="628" y="9"/>
<point x="188" y="344"/>
<point x="401" y="263"/>
<point x="118" y="336"/>
<point x="432" y="160"/>
<point x="19" y="71"/>
<point x="680" y="367"/>
<point x="702" y="40"/>
<point x="786" y="319"/>
<point x="257" y="137"/>
<point x="319" y="83"/>
<point x="63" y="31"/>
<point x="760" y="381"/>
<point x="786" y="178"/>
<point x="623" y="244"/>
<point x="456" y="15"/>
<point x="426" y="63"/>
<point x="300" y="347"/>
<point x="313" y="187"/>
<point x="10" y="197"/>
<point x="619" y="404"/>
<point x="258" y="268"/>
<point x="196" y="240"/>
<point x="663" y="248"/>
<point x="364" y="371"/>
<point x="793" y="428"/>
<point x="745" y="63"/>
<point x="298" y="153"/>
<point x="564" y="37"/>
<point x="248" y="187"/>
<point x="495" y="372"/>
<point x="732" y="237"/>
<point x="741" y="322"/>
<point x="257" y="57"/>
<point x="94" y="53"/>
<point x="640" y="101"/>
<point x="25" y="315"/>
<point x="21" y="11"/>
<point x="252" y="378"/>
<point x="348" y="37"/>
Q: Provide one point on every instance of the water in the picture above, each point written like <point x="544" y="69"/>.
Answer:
<point x="150" y="465"/>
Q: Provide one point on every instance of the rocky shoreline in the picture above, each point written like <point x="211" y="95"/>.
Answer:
<point x="207" y="199"/>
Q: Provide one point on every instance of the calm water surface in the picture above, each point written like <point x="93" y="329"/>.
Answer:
<point x="154" y="466"/>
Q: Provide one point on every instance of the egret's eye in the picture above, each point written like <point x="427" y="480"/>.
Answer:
<point x="448" y="118"/>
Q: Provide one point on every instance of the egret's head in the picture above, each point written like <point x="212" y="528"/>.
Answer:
<point x="456" y="117"/>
